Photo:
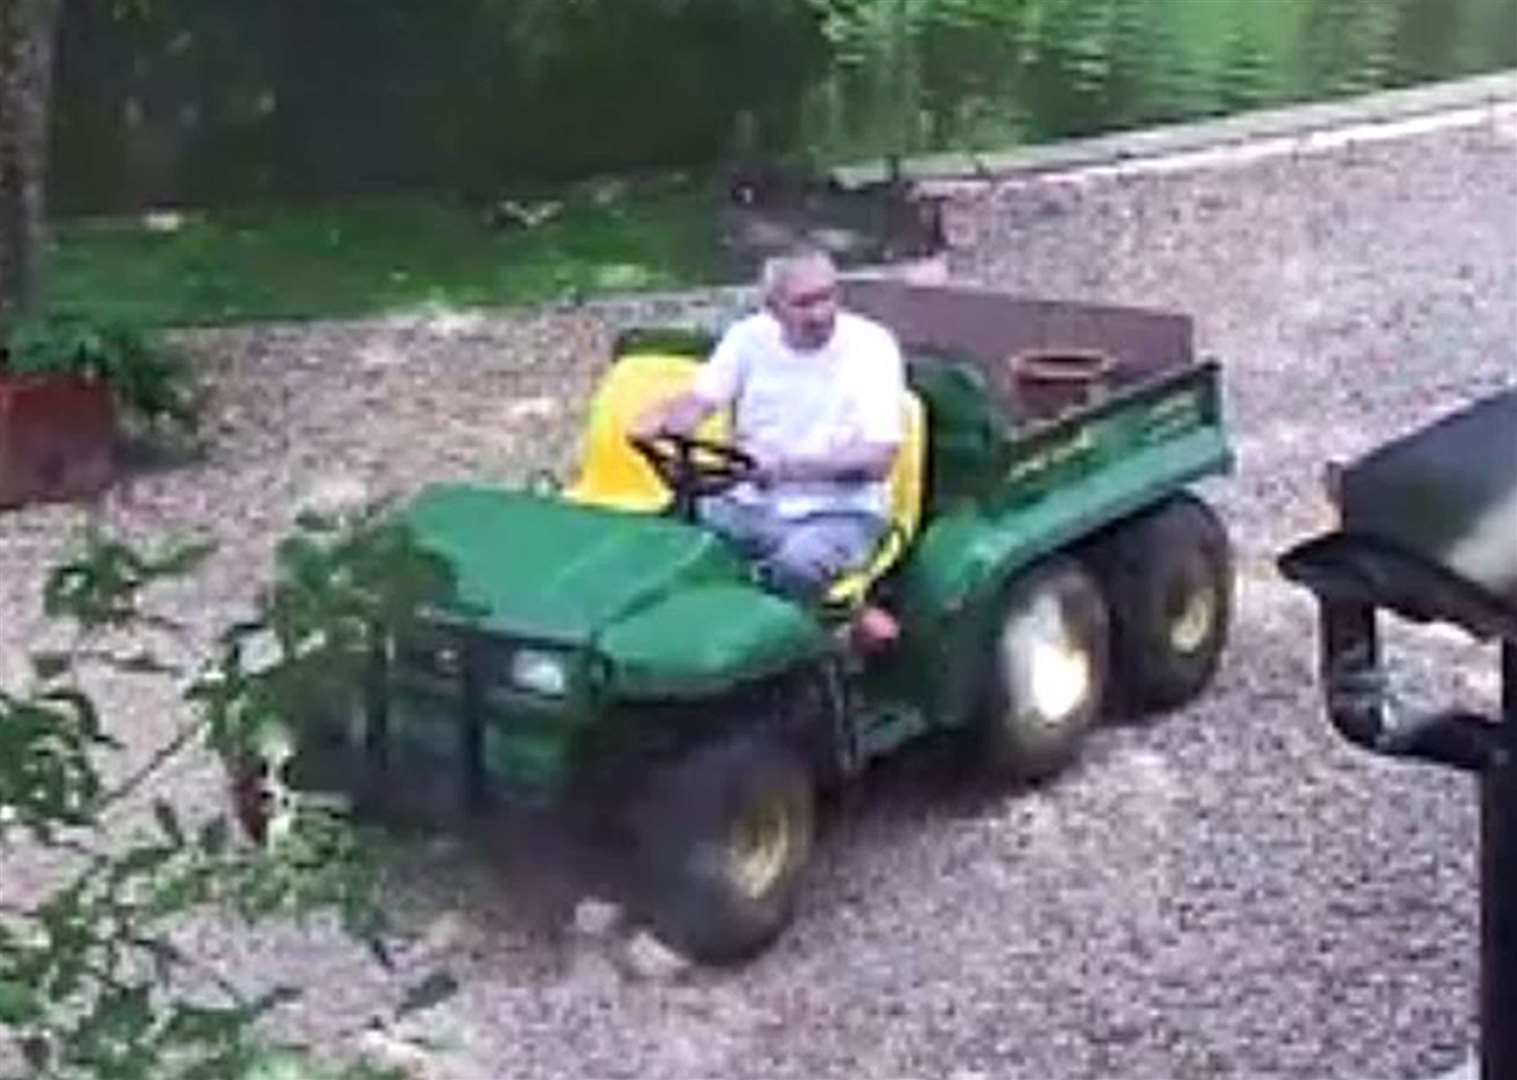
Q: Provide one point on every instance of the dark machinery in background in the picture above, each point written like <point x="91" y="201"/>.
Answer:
<point x="1428" y="532"/>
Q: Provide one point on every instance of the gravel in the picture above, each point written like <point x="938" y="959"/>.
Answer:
<point x="1229" y="893"/>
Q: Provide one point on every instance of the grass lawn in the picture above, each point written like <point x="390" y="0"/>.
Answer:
<point x="362" y="255"/>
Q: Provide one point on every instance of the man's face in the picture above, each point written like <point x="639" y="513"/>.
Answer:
<point x="806" y="305"/>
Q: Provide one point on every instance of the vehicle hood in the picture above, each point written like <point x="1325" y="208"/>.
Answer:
<point x="538" y="566"/>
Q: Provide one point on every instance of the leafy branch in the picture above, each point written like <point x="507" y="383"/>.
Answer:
<point x="92" y="982"/>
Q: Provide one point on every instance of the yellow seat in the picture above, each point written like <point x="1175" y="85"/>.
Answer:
<point x="613" y="474"/>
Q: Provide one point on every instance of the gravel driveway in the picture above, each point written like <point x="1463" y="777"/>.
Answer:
<point x="1229" y="893"/>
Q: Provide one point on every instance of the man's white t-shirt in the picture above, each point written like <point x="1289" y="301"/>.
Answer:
<point x="809" y="404"/>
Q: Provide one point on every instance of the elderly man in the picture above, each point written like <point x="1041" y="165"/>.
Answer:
<point x="816" y="396"/>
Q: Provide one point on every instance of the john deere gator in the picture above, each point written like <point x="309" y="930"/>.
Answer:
<point x="1047" y="566"/>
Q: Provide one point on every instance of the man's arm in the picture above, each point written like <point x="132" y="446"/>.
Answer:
<point x="680" y="414"/>
<point x="714" y="387"/>
<point x="857" y="462"/>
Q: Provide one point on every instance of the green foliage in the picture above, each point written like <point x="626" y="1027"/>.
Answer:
<point x="49" y="780"/>
<point x="488" y="99"/>
<point x="345" y="585"/>
<point x="485" y="95"/>
<point x="101" y="586"/>
<point x="912" y="75"/>
<point x="285" y="261"/>
<point x="93" y="983"/>
<point x="475" y="94"/>
<point x="148" y="379"/>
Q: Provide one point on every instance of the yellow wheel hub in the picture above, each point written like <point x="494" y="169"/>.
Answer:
<point x="761" y="844"/>
<point x="1193" y="622"/>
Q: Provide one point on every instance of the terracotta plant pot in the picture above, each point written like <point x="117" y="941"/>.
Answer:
<point x="57" y="438"/>
<point x="1046" y="382"/>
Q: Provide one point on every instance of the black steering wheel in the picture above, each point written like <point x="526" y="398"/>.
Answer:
<point x="694" y="468"/>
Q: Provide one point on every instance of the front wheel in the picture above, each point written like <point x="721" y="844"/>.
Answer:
<point x="1048" y="672"/>
<point x="725" y="837"/>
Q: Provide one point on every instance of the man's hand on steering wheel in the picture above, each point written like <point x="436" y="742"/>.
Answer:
<point x="693" y="467"/>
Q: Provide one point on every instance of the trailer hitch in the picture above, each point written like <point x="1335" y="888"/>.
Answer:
<point x="1363" y="707"/>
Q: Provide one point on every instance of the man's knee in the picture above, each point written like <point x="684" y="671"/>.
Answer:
<point x="812" y="558"/>
<point x="747" y="527"/>
<point x="800" y="569"/>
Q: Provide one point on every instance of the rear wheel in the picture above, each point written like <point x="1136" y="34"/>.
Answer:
<point x="725" y="837"/>
<point x="1048" y="673"/>
<point x="1168" y="576"/>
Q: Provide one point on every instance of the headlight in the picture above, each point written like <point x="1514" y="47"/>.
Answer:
<point x="540" y="672"/>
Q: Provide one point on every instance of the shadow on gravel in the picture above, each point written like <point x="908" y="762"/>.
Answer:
<point x="933" y="779"/>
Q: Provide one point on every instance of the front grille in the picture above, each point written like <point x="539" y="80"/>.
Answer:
<point x="439" y="661"/>
<point x="432" y="660"/>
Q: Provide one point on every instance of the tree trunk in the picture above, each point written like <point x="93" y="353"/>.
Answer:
<point x="26" y="65"/>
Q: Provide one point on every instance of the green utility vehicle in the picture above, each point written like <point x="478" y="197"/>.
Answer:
<point x="1046" y="567"/>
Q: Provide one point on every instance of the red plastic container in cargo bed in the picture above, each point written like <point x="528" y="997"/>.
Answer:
<point x="57" y="438"/>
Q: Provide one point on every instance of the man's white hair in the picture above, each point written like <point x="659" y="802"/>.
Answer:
<point x="778" y="269"/>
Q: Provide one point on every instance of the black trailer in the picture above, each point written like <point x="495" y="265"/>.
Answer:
<point x="1428" y="532"/>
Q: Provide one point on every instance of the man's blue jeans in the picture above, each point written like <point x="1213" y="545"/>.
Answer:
<point x="799" y="557"/>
